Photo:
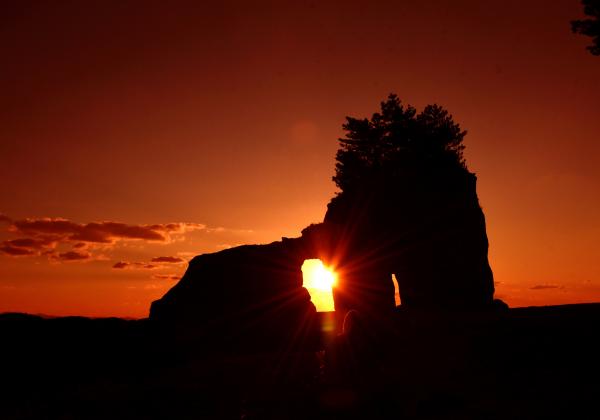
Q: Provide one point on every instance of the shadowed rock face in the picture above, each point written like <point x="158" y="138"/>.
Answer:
<point x="429" y="231"/>
<point x="248" y="292"/>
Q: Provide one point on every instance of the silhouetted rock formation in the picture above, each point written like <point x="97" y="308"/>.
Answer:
<point x="429" y="231"/>
<point x="250" y="294"/>
<point x="430" y="234"/>
<point x="407" y="206"/>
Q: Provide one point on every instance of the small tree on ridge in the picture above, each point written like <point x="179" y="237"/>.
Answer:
<point x="397" y="140"/>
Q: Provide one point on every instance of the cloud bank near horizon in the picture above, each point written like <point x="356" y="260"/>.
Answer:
<point x="64" y="240"/>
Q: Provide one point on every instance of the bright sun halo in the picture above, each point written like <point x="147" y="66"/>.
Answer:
<point x="319" y="280"/>
<point x="324" y="278"/>
<point x="320" y="277"/>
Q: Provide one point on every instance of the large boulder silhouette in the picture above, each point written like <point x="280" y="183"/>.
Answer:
<point x="249" y="294"/>
<point x="429" y="232"/>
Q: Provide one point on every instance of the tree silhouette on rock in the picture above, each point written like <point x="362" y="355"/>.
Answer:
<point x="395" y="141"/>
<point x="407" y="205"/>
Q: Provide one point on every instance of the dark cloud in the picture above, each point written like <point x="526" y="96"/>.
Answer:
<point x="121" y="264"/>
<point x="135" y="265"/>
<point x="166" y="277"/>
<point x="546" y="286"/>
<point x="27" y="246"/>
<point x="73" y="256"/>
<point x="170" y="260"/>
<point x="101" y="232"/>
<point x="33" y="243"/>
<point x="107" y="232"/>
<point x="104" y="232"/>
<point x="154" y="263"/>
<point x="44" y="236"/>
<point x="177" y="227"/>
<point x="15" y="251"/>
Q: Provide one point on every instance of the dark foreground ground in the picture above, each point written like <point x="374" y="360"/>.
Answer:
<point x="527" y="363"/>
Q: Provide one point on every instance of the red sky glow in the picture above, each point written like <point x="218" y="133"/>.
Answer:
<point x="135" y="135"/>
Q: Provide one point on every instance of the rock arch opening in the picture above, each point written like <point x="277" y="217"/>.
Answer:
<point x="319" y="280"/>
<point x="397" y="299"/>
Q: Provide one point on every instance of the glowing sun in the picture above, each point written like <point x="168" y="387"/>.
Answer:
<point x="319" y="281"/>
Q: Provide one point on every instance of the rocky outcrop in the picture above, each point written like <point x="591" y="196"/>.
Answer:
<point x="248" y="294"/>
<point x="407" y="207"/>
<point x="428" y="230"/>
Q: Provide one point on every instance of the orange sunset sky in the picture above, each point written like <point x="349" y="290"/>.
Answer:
<point x="137" y="134"/>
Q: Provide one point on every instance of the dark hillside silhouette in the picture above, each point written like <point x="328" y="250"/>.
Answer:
<point x="529" y="363"/>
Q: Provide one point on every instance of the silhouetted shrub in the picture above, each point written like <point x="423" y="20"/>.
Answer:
<point x="397" y="140"/>
<point x="589" y="27"/>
